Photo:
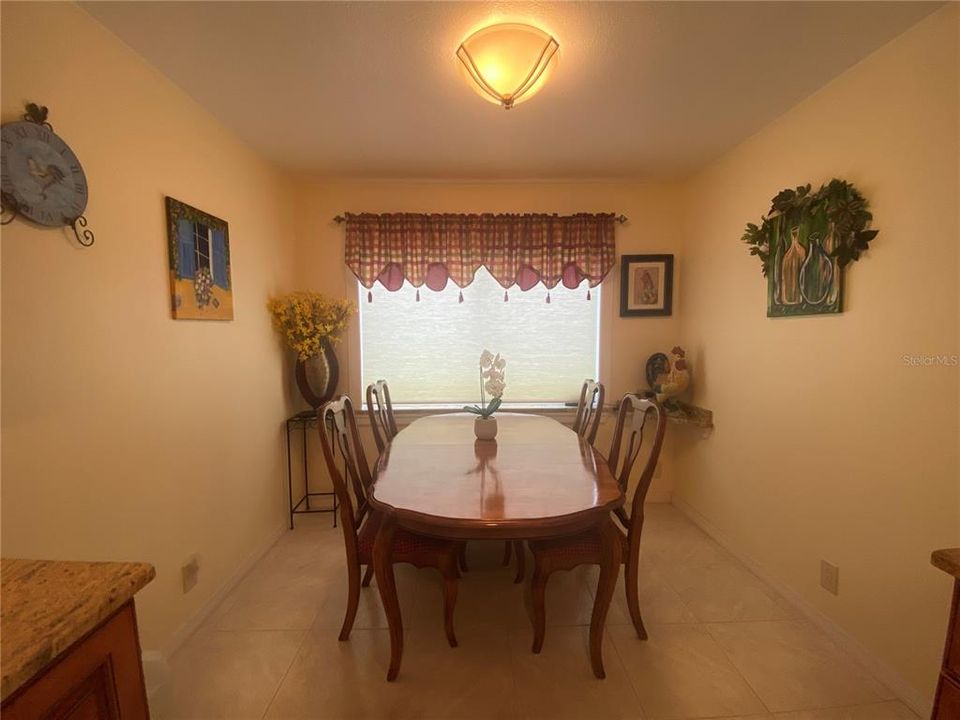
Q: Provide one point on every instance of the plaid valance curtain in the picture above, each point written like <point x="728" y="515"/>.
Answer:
<point x="521" y="250"/>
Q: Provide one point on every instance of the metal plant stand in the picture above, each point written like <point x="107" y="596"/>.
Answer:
<point x="302" y="421"/>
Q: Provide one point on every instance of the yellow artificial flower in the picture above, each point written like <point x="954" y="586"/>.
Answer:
<point x="306" y="319"/>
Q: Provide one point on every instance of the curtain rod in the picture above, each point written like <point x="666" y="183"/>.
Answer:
<point x="340" y="219"/>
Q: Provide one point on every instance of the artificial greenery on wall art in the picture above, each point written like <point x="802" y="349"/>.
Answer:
<point x="805" y="242"/>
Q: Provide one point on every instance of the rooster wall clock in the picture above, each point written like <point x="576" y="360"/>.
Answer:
<point x="41" y="178"/>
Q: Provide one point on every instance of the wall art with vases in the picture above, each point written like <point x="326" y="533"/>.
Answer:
<point x="805" y="242"/>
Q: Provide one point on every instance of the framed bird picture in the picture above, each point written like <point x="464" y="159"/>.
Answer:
<point x="199" y="250"/>
<point x="646" y="285"/>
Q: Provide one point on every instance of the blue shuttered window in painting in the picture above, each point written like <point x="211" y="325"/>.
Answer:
<point x="199" y="262"/>
<point x="220" y="275"/>
<point x="187" y="264"/>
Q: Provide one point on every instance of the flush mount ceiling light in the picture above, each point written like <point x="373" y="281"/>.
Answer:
<point x="508" y="63"/>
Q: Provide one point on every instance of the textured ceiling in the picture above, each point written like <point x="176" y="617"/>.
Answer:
<point x="373" y="89"/>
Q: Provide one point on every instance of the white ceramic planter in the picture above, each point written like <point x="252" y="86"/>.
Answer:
<point x="485" y="428"/>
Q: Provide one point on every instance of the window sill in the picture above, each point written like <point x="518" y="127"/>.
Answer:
<point x="506" y="407"/>
<point x="407" y="413"/>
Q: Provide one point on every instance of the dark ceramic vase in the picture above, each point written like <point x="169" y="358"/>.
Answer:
<point x="317" y="377"/>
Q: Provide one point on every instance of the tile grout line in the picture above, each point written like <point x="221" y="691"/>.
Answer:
<point x="834" y="634"/>
<point x="782" y="713"/>
<point x="286" y="672"/>
<point x="702" y="624"/>
<point x="736" y="562"/>
<point x="775" y="713"/>
<point x="623" y="664"/>
<point x="737" y="668"/>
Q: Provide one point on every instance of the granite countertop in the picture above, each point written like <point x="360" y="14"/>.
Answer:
<point x="947" y="560"/>
<point x="48" y="605"/>
<point x="687" y="414"/>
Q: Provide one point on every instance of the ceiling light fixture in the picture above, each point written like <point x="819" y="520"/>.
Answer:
<point x="508" y="63"/>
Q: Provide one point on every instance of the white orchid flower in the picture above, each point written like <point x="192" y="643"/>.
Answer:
<point x="495" y="387"/>
<point x="492" y="382"/>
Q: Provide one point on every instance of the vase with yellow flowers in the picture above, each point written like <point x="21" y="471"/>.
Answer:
<point x="310" y="323"/>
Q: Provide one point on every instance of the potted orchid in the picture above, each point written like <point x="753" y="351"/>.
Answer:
<point x="492" y="373"/>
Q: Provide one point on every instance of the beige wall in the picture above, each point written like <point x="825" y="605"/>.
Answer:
<point x="126" y="434"/>
<point x="654" y="211"/>
<point x="827" y="444"/>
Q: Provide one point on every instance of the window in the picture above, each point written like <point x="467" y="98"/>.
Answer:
<point x="201" y="240"/>
<point x="428" y="350"/>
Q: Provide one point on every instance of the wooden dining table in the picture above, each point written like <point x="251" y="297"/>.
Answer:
<point x="538" y="479"/>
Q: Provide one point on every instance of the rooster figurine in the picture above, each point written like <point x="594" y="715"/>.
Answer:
<point x="676" y="379"/>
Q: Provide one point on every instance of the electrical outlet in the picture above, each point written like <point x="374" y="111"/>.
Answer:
<point x="830" y="577"/>
<point x="190" y="572"/>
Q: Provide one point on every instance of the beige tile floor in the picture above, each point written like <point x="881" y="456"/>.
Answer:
<point x="722" y="645"/>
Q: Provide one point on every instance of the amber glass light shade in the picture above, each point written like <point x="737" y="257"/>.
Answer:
<point x="508" y="63"/>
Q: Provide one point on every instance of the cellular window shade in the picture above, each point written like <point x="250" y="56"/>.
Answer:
<point x="428" y="350"/>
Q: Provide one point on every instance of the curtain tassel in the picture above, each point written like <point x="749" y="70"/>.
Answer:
<point x="548" y="297"/>
<point x="460" y="299"/>
<point x="588" y="294"/>
<point x="418" y="294"/>
<point x="505" y="297"/>
<point x="369" y="296"/>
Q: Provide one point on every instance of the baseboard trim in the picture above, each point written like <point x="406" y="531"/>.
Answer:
<point x="156" y="671"/>
<point x="155" y="665"/>
<point x="905" y="692"/>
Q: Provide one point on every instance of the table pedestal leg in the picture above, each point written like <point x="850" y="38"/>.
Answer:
<point x="611" y="553"/>
<point x="383" y="568"/>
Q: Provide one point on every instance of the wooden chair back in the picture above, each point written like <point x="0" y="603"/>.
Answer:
<point x="589" y="410"/>
<point x="339" y="434"/>
<point x="380" y="410"/>
<point x="642" y="412"/>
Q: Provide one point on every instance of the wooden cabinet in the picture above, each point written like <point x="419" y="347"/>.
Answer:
<point x="98" y="678"/>
<point x="946" y="703"/>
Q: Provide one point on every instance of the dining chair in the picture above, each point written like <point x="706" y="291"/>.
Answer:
<point x="339" y="434"/>
<point x="589" y="410"/>
<point x="585" y="424"/>
<point x="584" y="549"/>
<point x="380" y="410"/>
<point x="384" y="426"/>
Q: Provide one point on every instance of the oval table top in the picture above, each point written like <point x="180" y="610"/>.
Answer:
<point x="537" y="479"/>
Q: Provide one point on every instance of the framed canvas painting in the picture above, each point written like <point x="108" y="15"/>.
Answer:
<point x="805" y="277"/>
<point x="199" y="249"/>
<point x="646" y="285"/>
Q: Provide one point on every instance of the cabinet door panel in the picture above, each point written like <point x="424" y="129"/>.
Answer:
<point x="948" y="700"/>
<point x="99" y="678"/>
<point x="951" y="657"/>
<point x="93" y="699"/>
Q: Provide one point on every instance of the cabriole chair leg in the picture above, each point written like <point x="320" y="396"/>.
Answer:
<point x="353" y="601"/>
